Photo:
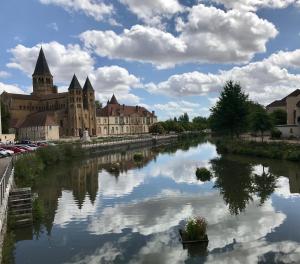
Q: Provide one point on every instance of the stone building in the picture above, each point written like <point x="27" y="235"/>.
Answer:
<point x="71" y="112"/>
<point x="115" y="119"/>
<point x="290" y="104"/>
<point x="39" y="126"/>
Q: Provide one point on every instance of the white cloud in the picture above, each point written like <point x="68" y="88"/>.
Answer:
<point x="177" y="108"/>
<point x="233" y="37"/>
<point x="93" y="8"/>
<point x="53" y="26"/>
<point x="64" y="61"/>
<point x="264" y="80"/>
<point x="4" y="74"/>
<point x="9" y="88"/>
<point x="153" y="11"/>
<point x="253" y="5"/>
<point x="114" y="79"/>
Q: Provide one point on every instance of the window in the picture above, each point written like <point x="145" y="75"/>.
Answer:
<point x="116" y="120"/>
<point x="50" y="127"/>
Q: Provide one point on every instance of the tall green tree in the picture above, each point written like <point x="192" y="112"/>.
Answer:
<point x="261" y="122"/>
<point x="184" y="118"/>
<point x="279" y="117"/>
<point x="229" y="115"/>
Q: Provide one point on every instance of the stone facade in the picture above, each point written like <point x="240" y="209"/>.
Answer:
<point x="117" y="119"/>
<point x="290" y="104"/>
<point x="73" y="111"/>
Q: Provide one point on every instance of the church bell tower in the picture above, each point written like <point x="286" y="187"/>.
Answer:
<point x="42" y="79"/>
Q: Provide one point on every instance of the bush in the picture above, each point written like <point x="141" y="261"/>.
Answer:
<point x="195" y="229"/>
<point x="157" y="128"/>
<point x="27" y="167"/>
<point x="137" y="157"/>
<point x="276" y="134"/>
<point x="50" y="155"/>
<point x="203" y="174"/>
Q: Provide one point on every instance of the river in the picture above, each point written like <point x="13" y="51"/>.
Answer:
<point x="110" y="209"/>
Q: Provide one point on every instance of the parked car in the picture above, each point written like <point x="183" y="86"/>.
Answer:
<point x="14" y="149"/>
<point x="9" y="152"/>
<point x="33" y="146"/>
<point x="25" y="142"/>
<point x="24" y="147"/>
<point x="3" y="153"/>
<point x="42" y="144"/>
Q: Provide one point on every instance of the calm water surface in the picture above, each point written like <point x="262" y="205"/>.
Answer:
<point x="96" y="212"/>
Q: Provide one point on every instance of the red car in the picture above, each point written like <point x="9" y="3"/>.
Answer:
<point x="14" y="149"/>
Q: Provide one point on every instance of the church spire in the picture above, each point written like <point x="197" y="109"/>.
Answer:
<point x="113" y="100"/>
<point x="41" y="67"/>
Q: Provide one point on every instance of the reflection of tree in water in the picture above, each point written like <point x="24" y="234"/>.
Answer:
<point x="234" y="181"/>
<point x="265" y="185"/>
<point x="237" y="184"/>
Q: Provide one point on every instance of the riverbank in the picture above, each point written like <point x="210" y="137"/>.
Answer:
<point x="272" y="150"/>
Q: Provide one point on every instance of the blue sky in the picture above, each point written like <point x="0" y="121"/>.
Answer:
<point x="170" y="56"/>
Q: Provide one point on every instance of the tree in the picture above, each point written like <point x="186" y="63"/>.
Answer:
<point x="98" y="104"/>
<point x="184" y="118"/>
<point x="229" y="115"/>
<point x="261" y="122"/>
<point x="5" y="119"/>
<point x="157" y="128"/>
<point x="279" y="117"/>
<point x="200" y="123"/>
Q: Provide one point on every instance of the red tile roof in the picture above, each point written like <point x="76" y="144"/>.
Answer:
<point x="40" y="119"/>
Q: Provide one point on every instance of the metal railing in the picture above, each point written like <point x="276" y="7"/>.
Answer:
<point x="5" y="180"/>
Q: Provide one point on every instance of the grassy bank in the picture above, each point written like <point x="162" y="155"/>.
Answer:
<point x="274" y="150"/>
<point x="28" y="166"/>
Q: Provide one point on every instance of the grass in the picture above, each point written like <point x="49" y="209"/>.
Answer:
<point x="203" y="174"/>
<point x="281" y="151"/>
<point x="195" y="229"/>
<point x="29" y="166"/>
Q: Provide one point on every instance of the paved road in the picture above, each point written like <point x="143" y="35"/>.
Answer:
<point x="3" y="164"/>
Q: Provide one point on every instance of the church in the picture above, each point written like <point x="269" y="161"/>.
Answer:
<point x="46" y="114"/>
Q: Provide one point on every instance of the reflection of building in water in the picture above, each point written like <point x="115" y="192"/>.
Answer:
<point x="82" y="180"/>
<point x="85" y="181"/>
<point x="117" y="163"/>
<point x="295" y="183"/>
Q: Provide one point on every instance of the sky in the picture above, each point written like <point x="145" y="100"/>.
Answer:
<point x="171" y="56"/>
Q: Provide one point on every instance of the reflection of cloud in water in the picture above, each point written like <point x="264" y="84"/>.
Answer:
<point x="182" y="166"/>
<point x="283" y="188"/>
<point x="68" y="210"/>
<point x="159" y="215"/>
<point x="252" y="252"/>
<point x="115" y="187"/>
<point x="259" y="169"/>
<point x="106" y="254"/>
<point x="160" y="249"/>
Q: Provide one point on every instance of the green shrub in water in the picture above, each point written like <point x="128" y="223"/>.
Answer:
<point x="203" y="174"/>
<point x="137" y="157"/>
<point x="195" y="228"/>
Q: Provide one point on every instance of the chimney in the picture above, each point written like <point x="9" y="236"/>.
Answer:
<point x="153" y="113"/>
<point x="137" y="108"/>
<point x="123" y="106"/>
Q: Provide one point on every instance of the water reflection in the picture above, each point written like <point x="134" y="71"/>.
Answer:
<point x="110" y="209"/>
<point x="238" y="182"/>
